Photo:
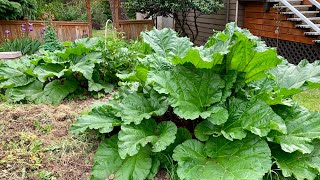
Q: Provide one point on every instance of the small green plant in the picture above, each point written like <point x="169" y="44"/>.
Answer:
<point x="50" y="39"/>
<point x="26" y="45"/>
<point x="46" y="175"/>
<point x="42" y="128"/>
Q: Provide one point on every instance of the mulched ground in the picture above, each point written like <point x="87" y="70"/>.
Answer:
<point x="35" y="142"/>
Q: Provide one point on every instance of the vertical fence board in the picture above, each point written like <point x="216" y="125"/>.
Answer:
<point x="133" y="28"/>
<point x="66" y="31"/>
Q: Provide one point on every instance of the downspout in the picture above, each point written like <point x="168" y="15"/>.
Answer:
<point x="237" y="12"/>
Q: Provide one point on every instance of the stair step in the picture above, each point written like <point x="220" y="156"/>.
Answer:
<point x="296" y="6"/>
<point x="302" y="12"/>
<point x="311" y="33"/>
<point x="305" y="25"/>
<point x="287" y="0"/>
<point x="299" y="19"/>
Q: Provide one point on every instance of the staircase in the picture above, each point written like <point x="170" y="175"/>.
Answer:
<point x="306" y="16"/>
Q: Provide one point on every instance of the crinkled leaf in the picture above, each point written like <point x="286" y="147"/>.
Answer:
<point x="133" y="137"/>
<point x="303" y="126"/>
<point x="301" y="166"/>
<point x="101" y="118"/>
<point x="165" y="42"/>
<point x="294" y="76"/>
<point x="191" y="91"/>
<point x="205" y="129"/>
<point x="44" y="71"/>
<point x="248" y="56"/>
<point x="93" y="86"/>
<point x="24" y="92"/>
<point x="86" y="64"/>
<point x="135" y="107"/>
<point x="220" y="158"/>
<point x="8" y="72"/>
<point x="108" y="163"/>
<point x="17" y="81"/>
<point x="55" y="91"/>
<point x="254" y="115"/>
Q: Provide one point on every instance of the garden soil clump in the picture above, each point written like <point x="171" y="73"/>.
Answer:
<point x="35" y="142"/>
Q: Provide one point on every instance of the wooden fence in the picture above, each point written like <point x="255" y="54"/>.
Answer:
<point x="133" y="28"/>
<point x="66" y="31"/>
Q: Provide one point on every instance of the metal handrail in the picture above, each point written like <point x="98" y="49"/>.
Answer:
<point x="300" y="15"/>
<point x="315" y="3"/>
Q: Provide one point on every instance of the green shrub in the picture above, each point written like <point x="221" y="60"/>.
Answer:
<point x="50" y="40"/>
<point x="26" y="45"/>
<point x="221" y="111"/>
<point x="85" y="67"/>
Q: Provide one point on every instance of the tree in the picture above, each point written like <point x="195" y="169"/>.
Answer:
<point x="17" y="9"/>
<point x="121" y="11"/>
<point x="178" y="10"/>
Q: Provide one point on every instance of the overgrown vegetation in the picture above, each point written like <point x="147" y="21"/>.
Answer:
<point x="85" y="67"/>
<point x="17" y="9"/>
<point x="26" y="45"/>
<point x="223" y="110"/>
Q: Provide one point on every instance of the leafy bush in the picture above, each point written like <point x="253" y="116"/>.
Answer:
<point x="84" y="67"/>
<point x="221" y="111"/>
<point x="26" y="45"/>
<point x="17" y="9"/>
<point x="50" y="39"/>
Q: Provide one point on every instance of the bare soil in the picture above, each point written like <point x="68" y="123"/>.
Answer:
<point x="35" y="142"/>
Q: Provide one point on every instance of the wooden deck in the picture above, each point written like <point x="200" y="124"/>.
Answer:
<point x="267" y="24"/>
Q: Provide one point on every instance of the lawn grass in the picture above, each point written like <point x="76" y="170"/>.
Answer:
<point x="309" y="99"/>
<point x="100" y="33"/>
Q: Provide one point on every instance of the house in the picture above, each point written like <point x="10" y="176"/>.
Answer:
<point x="280" y="24"/>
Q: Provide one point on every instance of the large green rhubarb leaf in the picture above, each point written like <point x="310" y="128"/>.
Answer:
<point x="17" y="81"/>
<point x="86" y="64"/>
<point x="191" y="91"/>
<point x="301" y="166"/>
<point x="133" y="137"/>
<point x="55" y="91"/>
<point x="101" y="118"/>
<point x="255" y="116"/>
<point x="135" y="107"/>
<point x="303" y="127"/>
<point x="290" y="76"/>
<point x="222" y="159"/>
<point x="109" y="165"/>
<point x="165" y="42"/>
<point x="44" y="71"/>
<point x="247" y="56"/>
<point x="24" y="92"/>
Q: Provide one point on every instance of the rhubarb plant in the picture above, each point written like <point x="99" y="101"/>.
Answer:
<point x="219" y="111"/>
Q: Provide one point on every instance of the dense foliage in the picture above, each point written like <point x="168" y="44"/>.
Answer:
<point x="17" y="9"/>
<point x="26" y="45"/>
<point x="221" y="111"/>
<point x="178" y="10"/>
<point x="87" y="66"/>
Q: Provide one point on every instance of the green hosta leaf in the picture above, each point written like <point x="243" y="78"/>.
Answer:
<point x="191" y="91"/>
<point x="255" y="116"/>
<point x="303" y="126"/>
<point x="49" y="70"/>
<point x="133" y="137"/>
<point x="101" y="118"/>
<point x="17" y="81"/>
<point x="290" y="76"/>
<point x="220" y="158"/>
<point x="165" y="42"/>
<point x="301" y="166"/>
<point x="248" y="57"/>
<point x="24" y="92"/>
<point x="55" y="91"/>
<point x="205" y="129"/>
<point x="108" y="163"/>
<point x="135" y="107"/>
